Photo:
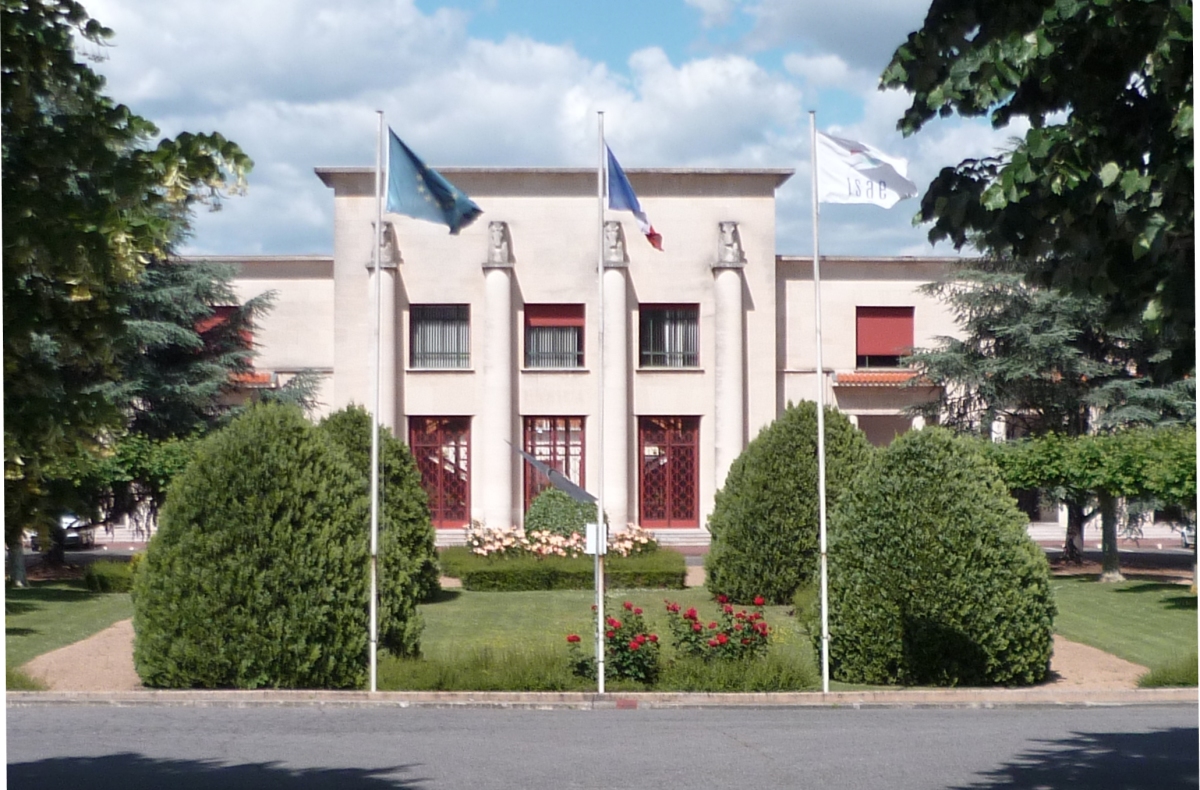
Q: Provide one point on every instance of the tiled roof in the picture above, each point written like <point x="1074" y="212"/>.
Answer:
<point x="254" y="378"/>
<point x="874" y="378"/>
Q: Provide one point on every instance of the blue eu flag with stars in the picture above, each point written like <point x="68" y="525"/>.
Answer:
<point x="421" y="192"/>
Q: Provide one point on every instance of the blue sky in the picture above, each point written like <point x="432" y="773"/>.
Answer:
<point x="689" y="83"/>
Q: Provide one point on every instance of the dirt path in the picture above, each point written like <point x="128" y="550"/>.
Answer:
<point x="104" y="662"/>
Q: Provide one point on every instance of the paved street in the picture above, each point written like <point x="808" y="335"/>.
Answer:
<point x="314" y="748"/>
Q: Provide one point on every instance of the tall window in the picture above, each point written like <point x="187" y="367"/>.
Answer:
<point x="558" y="443"/>
<point x="669" y="336"/>
<point x="441" y="448"/>
<point x="884" y="336"/>
<point x="440" y="336"/>
<point x="668" y="471"/>
<point x="553" y="335"/>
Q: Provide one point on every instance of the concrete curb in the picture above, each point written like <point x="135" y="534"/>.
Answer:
<point x="920" y="698"/>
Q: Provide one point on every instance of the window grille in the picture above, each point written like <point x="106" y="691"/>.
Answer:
<point x="669" y="336"/>
<point x="440" y="336"/>
<point x="554" y="336"/>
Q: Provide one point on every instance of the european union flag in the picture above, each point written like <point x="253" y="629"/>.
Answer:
<point x="421" y="192"/>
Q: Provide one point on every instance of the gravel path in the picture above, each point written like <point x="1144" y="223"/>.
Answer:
<point x="104" y="662"/>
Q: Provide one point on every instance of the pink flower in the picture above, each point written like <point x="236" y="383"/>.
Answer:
<point x="759" y="600"/>
<point x="572" y="637"/>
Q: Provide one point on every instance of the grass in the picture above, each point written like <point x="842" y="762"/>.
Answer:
<point x="50" y="615"/>
<point x="517" y="640"/>
<point x="1181" y="672"/>
<point x="1148" y="623"/>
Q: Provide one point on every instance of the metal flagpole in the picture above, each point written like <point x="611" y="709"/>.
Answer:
<point x="601" y="536"/>
<point x="378" y="263"/>
<point x="816" y="258"/>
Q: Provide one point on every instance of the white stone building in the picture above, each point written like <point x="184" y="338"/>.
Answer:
<point x="491" y="338"/>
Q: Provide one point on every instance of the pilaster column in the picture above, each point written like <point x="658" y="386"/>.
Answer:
<point x="729" y="398"/>
<point x="616" y="395"/>
<point x="494" y="449"/>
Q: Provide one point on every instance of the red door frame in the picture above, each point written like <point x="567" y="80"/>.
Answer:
<point x="534" y="481"/>
<point x="441" y="447"/>
<point x="668" y="471"/>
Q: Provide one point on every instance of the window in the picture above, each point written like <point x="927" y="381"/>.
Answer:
<point x="668" y="448"/>
<point x="440" y="446"/>
<point x="669" y="336"/>
<point x="885" y="334"/>
<point x="440" y="336"/>
<point x="553" y="335"/>
<point x="556" y="442"/>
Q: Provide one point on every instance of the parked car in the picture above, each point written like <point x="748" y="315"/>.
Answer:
<point x="1187" y="535"/>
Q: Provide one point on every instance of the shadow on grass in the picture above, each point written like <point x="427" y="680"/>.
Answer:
<point x="444" y="595"/>
<point x="45" y="592"/>
<point x="1102" y="761"/>
<point x="1147" y="587"/>
<point x="134" y="770"/>
<point x="1185" y="602"/>
<point x="20" y="631"/>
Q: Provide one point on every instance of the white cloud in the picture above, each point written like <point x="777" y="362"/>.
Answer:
<point x="713" y="13"/>
<point x="863" y="33"/>
<point x="829" y="71"/>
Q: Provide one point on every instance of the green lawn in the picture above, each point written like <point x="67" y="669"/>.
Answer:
<point x="50" y="615"/>
<point x="1146" y="622"/>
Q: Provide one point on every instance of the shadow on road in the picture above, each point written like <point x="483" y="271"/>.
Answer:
<point x="1161" y="760"/>
<point x="134" y="770"/>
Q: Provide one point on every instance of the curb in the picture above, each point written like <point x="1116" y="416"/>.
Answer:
<point x="954" y="698"/>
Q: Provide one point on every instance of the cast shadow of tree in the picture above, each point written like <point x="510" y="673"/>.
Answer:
<point x="1161" y="760"/>
<point x="134" y="770"/>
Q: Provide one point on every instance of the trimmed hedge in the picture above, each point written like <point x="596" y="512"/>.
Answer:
<point x="663" y="569"/>
<point x="408" y="568"/>
<point x="933" y="579"/>
<point x="764" y="522"/>
<point x="555" y="511"/>
<point x="257" y="574"/>
<point x="113" y="575"/>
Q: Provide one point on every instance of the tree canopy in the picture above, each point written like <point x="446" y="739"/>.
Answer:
<point x="87" y="202"/>
<point x="1098" y="195"/>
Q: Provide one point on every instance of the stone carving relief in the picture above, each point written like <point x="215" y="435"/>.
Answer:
<point x="731" y="245"/>
<point x="614" y="244"/>
<point x="499" y="245"/>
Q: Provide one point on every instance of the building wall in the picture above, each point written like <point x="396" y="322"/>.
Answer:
<point x="756" y="319"/>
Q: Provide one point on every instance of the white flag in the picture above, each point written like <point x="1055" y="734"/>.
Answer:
<point x="854" y="172"/>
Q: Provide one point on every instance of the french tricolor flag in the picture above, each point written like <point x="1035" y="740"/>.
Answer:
<point x="622" y="198"/>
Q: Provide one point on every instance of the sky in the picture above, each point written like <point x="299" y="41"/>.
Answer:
<point x="682" y="83"/>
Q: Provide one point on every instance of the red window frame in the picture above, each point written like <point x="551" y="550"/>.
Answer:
<point x="441" y="447"/>
<point x="668" y="471"/>
<point x="556" y="449"/>
<point x="556" y="316"/>
<point x="882" y="335"/>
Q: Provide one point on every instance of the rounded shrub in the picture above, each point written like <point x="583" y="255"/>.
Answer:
<point x="933" y="579"/>
<point x="408" y="565"/>
<point x="765" y="520"/>
<point x="257" y="575"/>
<point x="555" y="511"/>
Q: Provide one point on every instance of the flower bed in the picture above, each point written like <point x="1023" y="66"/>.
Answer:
<point x="662" y="569"/>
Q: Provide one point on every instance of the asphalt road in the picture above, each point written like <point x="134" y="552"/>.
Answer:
<point x="314" y="748"/>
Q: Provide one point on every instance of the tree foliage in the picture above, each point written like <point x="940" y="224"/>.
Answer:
<point x="1098" y="195"/>
<point x="765" y="520"/>
<point x="408" y="566"/>
<point x="257" y="575"/>
<point x="932" y="577"/>
<point x="87" y="201"/>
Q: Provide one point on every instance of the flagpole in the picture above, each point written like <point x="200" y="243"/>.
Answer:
<point x="816" y="259"/>
<point x="376" y="367"/>
<point x="601" y="536"/>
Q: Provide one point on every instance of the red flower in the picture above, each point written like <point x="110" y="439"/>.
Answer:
<point x="672" y="607"/>
<point x="762" y="628"/>
<point x="740" y="615"/>
<point x="722" y="599"/>
<point x="696" y="627"/>
<point x="722" y="638"/>
<point x="690" y="614"/>
<point x="593" y="607"/>
<point x="653" y="637"/>
<point x="610" y="634"/>
<point x="712" y="625"/>
<point x="634" y="645"/>
<point x="627" y="605"/>
<point x="759" y="600"/>
<point x="614" y="623"/>
<point x="637" y="611"/>
<point x="713" y="643"/>
<point x="727" y="609"/>
<point x="745" y="640"/>
<point x="572" y="637"/>
<point x="737" y="626"/>
<point x="640" y="638"/>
